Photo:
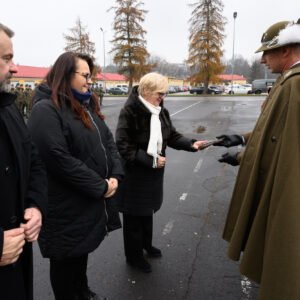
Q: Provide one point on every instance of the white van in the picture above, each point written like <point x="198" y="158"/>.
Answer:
<point x="236" y="89"/>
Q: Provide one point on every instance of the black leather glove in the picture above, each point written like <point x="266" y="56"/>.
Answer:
<point x="230" y="140"/>
<point x="230" y="158"/>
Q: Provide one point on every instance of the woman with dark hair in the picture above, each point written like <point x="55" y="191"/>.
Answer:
<point x="83" y="167"/>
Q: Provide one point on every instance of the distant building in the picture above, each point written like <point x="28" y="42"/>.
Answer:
<point x="227" y="78"/>
<point x="32" y="76"/>
<point x="109" y="80"/>
<point x="29" y="75"/>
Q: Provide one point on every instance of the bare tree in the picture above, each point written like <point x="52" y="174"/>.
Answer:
<point x="179" y="70"/>
<point x="206" y="41"/>
<point x="242" y="67"/>
<point x="129" y="44"/>
<point x="259" y="71"/>
<point x="79" y="40"/>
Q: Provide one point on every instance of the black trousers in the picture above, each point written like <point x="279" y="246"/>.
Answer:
<point x="137" y="232"/>
<point x="68" y="277"/>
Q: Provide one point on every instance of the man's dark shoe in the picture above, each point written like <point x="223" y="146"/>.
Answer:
<point x="140" y="263"/>
<point x="153" y="252"/>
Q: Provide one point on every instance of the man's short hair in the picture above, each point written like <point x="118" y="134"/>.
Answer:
<point x="7" y="30"/>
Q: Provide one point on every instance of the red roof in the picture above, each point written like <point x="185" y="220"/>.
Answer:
<point x="231" y="77"/>
<point x="111" y="77"/>
<point x="31" y="72"/>
<point x="41" y="72"/>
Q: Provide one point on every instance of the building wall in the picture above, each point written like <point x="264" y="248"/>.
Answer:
<point x="25" y="81"/>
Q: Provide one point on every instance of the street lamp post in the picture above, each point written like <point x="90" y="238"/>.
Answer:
<point x="103" y="38"/>
<point x="232" y="69"/>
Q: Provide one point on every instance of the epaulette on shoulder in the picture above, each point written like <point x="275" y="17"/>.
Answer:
<point x="290" y="73"/>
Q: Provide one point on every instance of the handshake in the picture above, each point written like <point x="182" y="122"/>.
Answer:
<point x="225" y="141"/>
<point x="230" y="158"/>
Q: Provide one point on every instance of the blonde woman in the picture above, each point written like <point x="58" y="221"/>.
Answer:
<point x="144" y="131"/>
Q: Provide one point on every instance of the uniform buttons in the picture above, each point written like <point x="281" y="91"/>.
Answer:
<point x="273" y="139"/>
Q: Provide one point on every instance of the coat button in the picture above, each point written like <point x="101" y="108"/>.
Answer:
<point x="13" y="219"/>
<point x="7" y="170"/>
<point x="273" y="139"/>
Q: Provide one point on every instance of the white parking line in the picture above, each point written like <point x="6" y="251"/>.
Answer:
<point x="177" y="112"/>
<point x="198" y="166"/>
<point x="183" y="197"/>
<point x="168" y="228"/>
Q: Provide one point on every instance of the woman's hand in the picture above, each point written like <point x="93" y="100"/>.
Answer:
<point x="161" y="161"/>
<point x="112" y="187"/>
<point x="199" y="145"/>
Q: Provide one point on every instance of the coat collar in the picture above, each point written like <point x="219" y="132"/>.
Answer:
<point x="134" y="101"/>
<point x="291" y="72"/>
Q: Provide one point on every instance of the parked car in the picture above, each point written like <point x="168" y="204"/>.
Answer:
<point x="117" y="91"/>
<point x="200" y="90"/>
<point x="197" y="90"/>
<point x="171" y="90"/>
<point x="176" y="88"/>
<point x="213" y="89"/>
<point x="248" y="86"/>
<point x="236" y="89"/>
<point x="123" y="87"/>
<point x="262" y="85"/>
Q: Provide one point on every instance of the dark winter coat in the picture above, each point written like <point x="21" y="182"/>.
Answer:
<point x="141" y="192"/>
<point x="26" y="174"/>
<point x="78" y="161"/>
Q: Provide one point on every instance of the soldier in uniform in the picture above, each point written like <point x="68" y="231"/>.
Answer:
<point x="21" y="101"/>
<point x="101" y="94"/>
<point x="264" y="213"/>
<point x="27" y="100"/>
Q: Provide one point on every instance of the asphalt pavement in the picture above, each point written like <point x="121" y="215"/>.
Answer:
<point x="188" y="228"/>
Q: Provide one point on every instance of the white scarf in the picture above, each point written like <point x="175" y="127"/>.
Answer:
<point x="155" y="141"/>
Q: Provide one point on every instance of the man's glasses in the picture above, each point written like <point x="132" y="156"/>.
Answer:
<point x="87" y="76"/>
<point x="162" y="95"/>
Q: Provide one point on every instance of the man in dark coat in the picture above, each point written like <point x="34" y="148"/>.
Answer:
<point x="263" y="218"/>
<point x="23" y="187"/>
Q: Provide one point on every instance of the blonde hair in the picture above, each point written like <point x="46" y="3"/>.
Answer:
<point x="153" y="82"/>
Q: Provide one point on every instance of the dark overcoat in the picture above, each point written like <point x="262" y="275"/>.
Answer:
<point x="141" y="192"/>
<point x="30" y="184"/>
<point x="78" y="162"/>
<point x="263" y="220"/>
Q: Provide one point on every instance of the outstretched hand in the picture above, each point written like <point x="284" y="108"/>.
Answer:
<point x="229" y="140"/>
<point x="199" y="145"/>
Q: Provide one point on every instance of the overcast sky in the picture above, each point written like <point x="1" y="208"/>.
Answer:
<point x="39" y="26"/>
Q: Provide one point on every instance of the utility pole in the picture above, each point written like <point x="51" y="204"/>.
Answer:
<point x="103" y="41"/>
<point x="232" y="69"/>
